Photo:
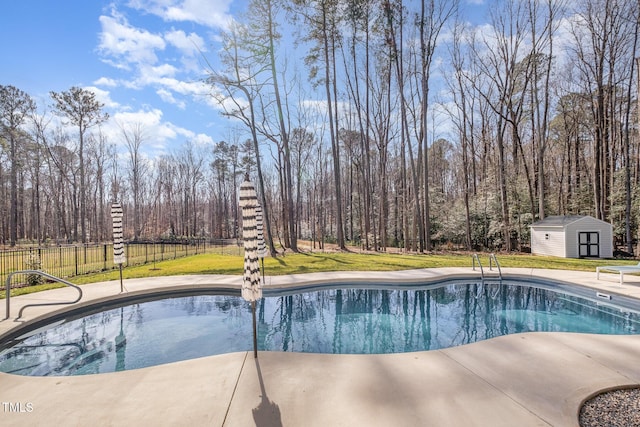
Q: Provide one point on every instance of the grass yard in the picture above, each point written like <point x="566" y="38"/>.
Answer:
<point x="325" y="261"/>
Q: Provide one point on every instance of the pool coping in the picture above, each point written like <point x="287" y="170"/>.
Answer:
<point x="231" y="285"/>
<point x="537" y="379"/>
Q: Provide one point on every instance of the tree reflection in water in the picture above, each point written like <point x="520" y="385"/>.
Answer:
<point x="348" y="320"/>
<point x="387" y="321"/>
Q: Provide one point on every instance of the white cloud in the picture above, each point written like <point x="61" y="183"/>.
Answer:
<point x="147" y="119"/>
<point x="564" y="37"/>
<point x="189" y="44"/>
<point x="146" y="54"/>
<point x="160" y="58"/>
<point x="168" y="97"/>
<point x="218" y="99"/>
<point x="160" y="72"/>
<point x="167" y="131"/>
<point x="106" y="81"/>
<point x="103" y="96"/>
<point x="202" y="139"/>
<point x="315" y="106"/>
<point x="127" y="44"/>
<point x="210" y="13"/>
<point x="157" y="133"/>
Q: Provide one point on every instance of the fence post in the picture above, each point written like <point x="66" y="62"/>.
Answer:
<point x="105" y="257"/>
<point x="75" y="251"/>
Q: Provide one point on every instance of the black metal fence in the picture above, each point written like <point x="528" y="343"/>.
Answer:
<point x="69" y="261"/>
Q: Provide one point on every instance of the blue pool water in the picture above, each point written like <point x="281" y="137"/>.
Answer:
<point x="348" y="320"/>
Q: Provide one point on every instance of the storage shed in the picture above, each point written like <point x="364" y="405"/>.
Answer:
<point x="572" y="236"/>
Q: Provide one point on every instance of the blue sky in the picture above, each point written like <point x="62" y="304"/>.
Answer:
<point x="143" y="58"/>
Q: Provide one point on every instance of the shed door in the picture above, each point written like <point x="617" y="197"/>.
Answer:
<point x="589" y="243"/>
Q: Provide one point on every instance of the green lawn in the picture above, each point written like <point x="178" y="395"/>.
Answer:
<point x="330" y="261"/>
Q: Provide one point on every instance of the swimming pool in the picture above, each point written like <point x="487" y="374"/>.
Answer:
<point x="345" y="320"/>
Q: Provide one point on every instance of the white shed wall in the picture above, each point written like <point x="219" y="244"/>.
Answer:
<point x="548" y="241"/>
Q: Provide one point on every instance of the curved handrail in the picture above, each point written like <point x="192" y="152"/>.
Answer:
<point x="493" y="257"/>
<point x="475" y="258"/>
<point x="41" y="273"/>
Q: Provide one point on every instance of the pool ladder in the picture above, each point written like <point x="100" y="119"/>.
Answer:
<point x="492" y="260"/>
<point x="43" y="274"/>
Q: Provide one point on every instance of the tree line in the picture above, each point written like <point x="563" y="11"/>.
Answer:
<point x="403" y="125"/>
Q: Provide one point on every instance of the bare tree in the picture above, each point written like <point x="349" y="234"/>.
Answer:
<point x="97" y="154"/>
<point x="498" y="61"/>
<point x="134" y="137"/>
<point x="601" y="33"/>
<point x="15" y="108"/>
<point x="433" y="16"/>
<point x="322" y="18"/>
<point x="238" y="98"/>
<point x="542" y="54"/>
<point x="263" y="21"/>
<point x="462" y="118"/>
<point x="83" y="110"/>
<point x="190" y="161"/>
<point x="394" y="14"/>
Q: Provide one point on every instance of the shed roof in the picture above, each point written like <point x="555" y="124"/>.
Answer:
<point x="558" y="220"/>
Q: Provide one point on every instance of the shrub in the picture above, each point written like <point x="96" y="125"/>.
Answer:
<point x="33" y="262"/>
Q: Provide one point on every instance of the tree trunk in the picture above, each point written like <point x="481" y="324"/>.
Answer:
<point x="335" y="149"/>
<point x="284" y="133"/>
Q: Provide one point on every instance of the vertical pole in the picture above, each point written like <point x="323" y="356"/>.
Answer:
<point x="8" y="294"/>
<point x="121" y="285"/>
<point x="255" y="330"/>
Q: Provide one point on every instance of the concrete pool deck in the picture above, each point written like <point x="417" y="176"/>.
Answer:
<point x="531" y="379"/>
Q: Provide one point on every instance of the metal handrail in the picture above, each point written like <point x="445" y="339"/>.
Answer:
<point x="493" y="257"/>
<point x="48" y="276"/>
<point x="475" y="258"/>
